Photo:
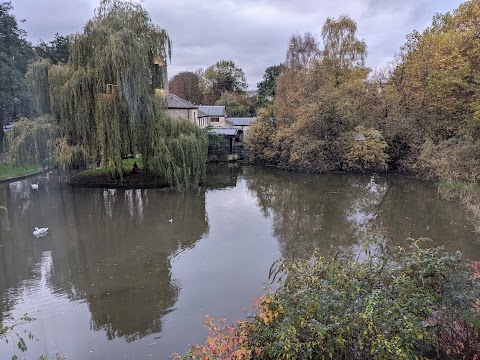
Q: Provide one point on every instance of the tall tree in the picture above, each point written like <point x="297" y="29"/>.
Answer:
<point x="104" y="99"/>
<point x="56" y="50"/>
<point x="437" y="74"/>
<point x="223" y="76"/>
<point x="342" y="49"/>
<point x="266" y="87"/>
<point x="15" y="53"/>
<point x="186" y="85"/>
<point x="237" y="105"/>
<point x="317" y="102"/>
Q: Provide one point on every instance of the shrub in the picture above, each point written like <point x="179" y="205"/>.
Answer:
<point x="402" y="303"/>
<point x="366" y="151"/>
<point x="456" y="158"/>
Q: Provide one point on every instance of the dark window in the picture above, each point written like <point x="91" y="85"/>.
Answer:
<point x="157" y="78"/>
<point x="216" y="119"/>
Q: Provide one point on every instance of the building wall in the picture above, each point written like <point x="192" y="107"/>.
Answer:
<point x="179" y="113"/>
<point x="193" y="115"/>
<point x="220" y="123"/>
<point x="188" y="114"/>
<point x="244" y="135"/>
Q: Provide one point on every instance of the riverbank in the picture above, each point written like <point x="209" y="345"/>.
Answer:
<point x="9" y="173"/>
<point x="467" y="194"/>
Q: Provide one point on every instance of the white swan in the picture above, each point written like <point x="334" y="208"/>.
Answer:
<point x="35" y="186"/>
<point x="170" y="221"/>
<point x="40" y="232"/>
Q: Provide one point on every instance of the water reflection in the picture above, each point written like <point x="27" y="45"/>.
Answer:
<point x="330" y="211"/>
<point x="109" y="248"/>
<point x="135" y="284"/>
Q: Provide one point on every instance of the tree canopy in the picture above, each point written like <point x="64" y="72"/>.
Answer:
<point x="104" y="99"/>
<point x="236" y="105"/>
<point x="15" y="53"/>
<point x="316" y="122"/>
<point x="186" y="85"/>
<point x="419" y="114"/>
<point x="266" y="87"/>
<point x="223" y="76"/>
<point x="56" y="50"/>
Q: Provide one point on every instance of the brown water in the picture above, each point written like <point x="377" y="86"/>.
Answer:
<point x="115" y="279"/>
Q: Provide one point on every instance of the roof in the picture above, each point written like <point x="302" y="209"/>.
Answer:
<point x="176" y="102"/>
<point x="212" y="110"/>
<point x="224" y="131"/>
<point x="201" y="113"/>
<point x="241" y="121"/>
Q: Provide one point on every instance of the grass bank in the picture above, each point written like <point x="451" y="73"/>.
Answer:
<point x="8" y="171"/>
<point x="467" y="194"/>
<point x="102" y="178"/>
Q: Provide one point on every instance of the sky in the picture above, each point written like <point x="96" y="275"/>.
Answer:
<point x="252" y="33"/>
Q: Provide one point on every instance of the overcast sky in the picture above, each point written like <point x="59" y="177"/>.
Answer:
<point x="252" y="33"/>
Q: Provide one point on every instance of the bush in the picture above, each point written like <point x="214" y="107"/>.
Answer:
<point x="456" y="158"/>
<point x="366" y="151"/>
<point x="402" y="303"/>
<point x="217" y="144"/>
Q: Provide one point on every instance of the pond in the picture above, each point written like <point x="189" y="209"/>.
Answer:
<point x="128" y="274"/>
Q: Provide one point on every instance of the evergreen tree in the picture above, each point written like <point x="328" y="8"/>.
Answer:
<point x="15" y="53"/>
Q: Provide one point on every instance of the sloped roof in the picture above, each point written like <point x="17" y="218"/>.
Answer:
<point x="212" y="110"/>
<point x="224" y="131"/>
<point x="201" y="113"/>
<point x="176" y="102"/>
<point x="241" y="121"/>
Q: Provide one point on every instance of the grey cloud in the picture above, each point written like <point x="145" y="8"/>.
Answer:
<point x="252" y="33"/>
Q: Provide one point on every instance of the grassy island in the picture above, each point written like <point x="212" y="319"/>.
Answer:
<point x="102" y="177"/>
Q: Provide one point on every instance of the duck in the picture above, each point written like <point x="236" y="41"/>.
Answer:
<point x="40" y="232"/>
<point x="35" y="186"/>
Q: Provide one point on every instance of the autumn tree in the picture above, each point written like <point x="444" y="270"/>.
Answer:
<point x="326" y="83"/>
<point x="186" y="85"/>
<point x="318" y="99"/>
<point x="438" y="73"/>
<point x="342" y="50"/>
<point x="433" y="95"/>
<point x="294" y="86"/>
<point x="223" y="76"/>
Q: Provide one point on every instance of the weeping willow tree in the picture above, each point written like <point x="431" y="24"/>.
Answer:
<point x="103" y="100"/>
<point x="30" y="141"/>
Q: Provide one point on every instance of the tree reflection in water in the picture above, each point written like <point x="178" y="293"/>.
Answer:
<point x="113" y="249"/>
<point x="109" y="248"/>
<point x="330" y="212"/>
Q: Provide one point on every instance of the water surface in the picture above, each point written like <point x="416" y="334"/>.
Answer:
<point x="114" y="278"/>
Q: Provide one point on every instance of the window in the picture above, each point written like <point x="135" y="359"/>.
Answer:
<point x="214" y="119"/>
<point x="157" y="79"/>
